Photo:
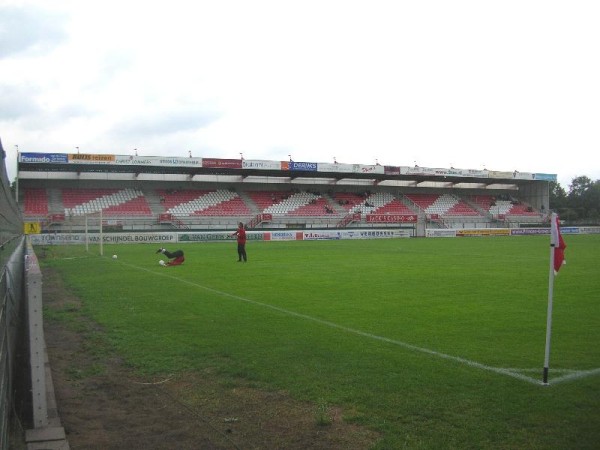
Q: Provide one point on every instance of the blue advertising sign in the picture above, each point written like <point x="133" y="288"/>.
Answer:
<point x="48" y="158"/>
<point x="304" y="166"/>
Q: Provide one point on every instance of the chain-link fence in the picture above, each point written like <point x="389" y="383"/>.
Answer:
<point x="12" y="323"/>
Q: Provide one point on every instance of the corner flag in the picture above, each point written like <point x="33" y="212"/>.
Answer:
<point x="557" y="259"/>
<point x="558" y="243"/>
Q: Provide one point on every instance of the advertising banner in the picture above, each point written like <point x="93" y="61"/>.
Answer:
<point x="367" y="169"/>
<point x="107" y="238"/>
<point x="499" y="174"/>
<point x="90" y="158"/>
<point x="260" y="164"/>
<point x="529" y="231"/>
<point x="391" y="218"/>
<point x="483" y="232"/>
<point x="391" y="170"/>
<point x="522" y="175"/>
<point x="162" y="161"/>
<point x="544" y="176"/>
<point x="207" y="236"/>
<point x="303" y="166"/>
<point x="213" y="163"/>
<point x="335" y="168"/>
<point x="283" y="236"/>
<point x="50" y="158"/>
<point x="440" y="233"/>
<point x="376" y="234"/>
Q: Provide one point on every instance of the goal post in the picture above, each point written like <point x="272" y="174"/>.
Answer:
<point x="89" y="222"/>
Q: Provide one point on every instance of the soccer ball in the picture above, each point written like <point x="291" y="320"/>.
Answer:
<point x="114" y="256"/>
<point x="161" y="262"/>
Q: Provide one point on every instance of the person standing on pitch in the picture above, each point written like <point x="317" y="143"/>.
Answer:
<point x="241" y="242"/>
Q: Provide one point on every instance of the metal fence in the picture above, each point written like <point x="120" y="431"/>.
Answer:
<point x="12" y="332"/>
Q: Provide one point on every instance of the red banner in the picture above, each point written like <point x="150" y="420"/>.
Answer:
<point x="224" y="163"/>
<point x="392" y="218"/>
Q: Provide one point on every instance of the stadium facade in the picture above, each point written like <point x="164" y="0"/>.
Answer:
<point x="165" y="193"/>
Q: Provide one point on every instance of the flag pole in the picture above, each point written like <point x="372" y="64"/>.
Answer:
<point x="549" y="316"/>
<point x="557" y="259"/>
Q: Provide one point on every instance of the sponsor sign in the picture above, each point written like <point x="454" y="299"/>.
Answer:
<point x="164" y="161"/>
<point x="321" y="235"/>
<point x="335" y="168"/>
<point x="91" y="158"/>
<point x="213" y="163"/>
<point x="109" y="238"/>
<point x="381" y="234"/>
<point x="260" y="164"/>
<point x="391" y="218"/>
<point x="391" y="170"/>
<point x="499" y="174"/>
<point x="48" y="158"/>
<point x="217" y="236"/>
<point x="587" y="230"/>
<point x="303" y="166"/>
<point x="522" y="175"/>
<point x="416" y="170"/>
<point x="528" y="231"/>
<point x="483" y="232"/>
<point x="281" y="236"/>
<point x="205" y="237"/>
<point x="440" y="233"/>
<point x="544" y="176"/>
<point x="475" y="173"/>
<point x="569" y="230"/>
<point x="366" y="169"/>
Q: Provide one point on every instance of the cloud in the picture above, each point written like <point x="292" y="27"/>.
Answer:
<point x="16" y="102"/>
<point x="159" y="122"/>
<point x="29" y="30"/>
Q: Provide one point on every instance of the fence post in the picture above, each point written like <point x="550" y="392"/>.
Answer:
<point x="36" y="341"/>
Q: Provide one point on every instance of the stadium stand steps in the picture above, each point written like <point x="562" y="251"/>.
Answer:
<point x="153" y="200"/>
<point x="373" y="202"/>
<point x="291" y="203"/>
<point x="476" y="206"/>
<point x="120" y="202"/>
<point x="55" y="201"/>
<point x="335" y="205"/>
<point x="222" y="202"/>
<point x="249" y="202"/>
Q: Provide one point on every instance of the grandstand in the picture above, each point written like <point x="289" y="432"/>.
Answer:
<point x="170" y="193"/>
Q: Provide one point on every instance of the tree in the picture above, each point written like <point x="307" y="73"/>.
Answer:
<point x="583" y="200"/>
<point x="557" y="196"/>
<point x="578" y="187"/>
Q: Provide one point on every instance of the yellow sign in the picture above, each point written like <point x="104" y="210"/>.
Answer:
<point x="484" y="232"/>
<point x="33" y="227"/>
<point x="91" y="158"/>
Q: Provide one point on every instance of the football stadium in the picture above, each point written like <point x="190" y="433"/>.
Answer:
<point x="380" y="307"/>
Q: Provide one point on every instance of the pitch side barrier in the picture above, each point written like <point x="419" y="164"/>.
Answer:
<point x="167" y="238"/>
<point x="190" y="237"/>
<point x="468" y="232"/>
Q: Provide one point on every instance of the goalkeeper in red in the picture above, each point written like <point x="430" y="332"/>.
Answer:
<point x="176" y="257"/>
<point x="241" y="242"/>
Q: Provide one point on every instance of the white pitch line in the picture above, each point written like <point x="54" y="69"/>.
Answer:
<point x="576" y="375"/>
<point x="514" y="373"/>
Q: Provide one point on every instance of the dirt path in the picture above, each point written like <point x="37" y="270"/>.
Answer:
<point x="104" y="405"/>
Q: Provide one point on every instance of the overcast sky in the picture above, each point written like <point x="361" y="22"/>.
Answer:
<point x="505" y="85"/>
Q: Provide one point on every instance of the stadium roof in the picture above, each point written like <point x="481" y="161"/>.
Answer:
<point x="84" y="166"/>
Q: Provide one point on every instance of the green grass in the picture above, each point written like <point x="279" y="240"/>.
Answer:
<point x="327" y="321"/>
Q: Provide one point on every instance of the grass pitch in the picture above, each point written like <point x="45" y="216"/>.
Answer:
<point x="434" y="343"/>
